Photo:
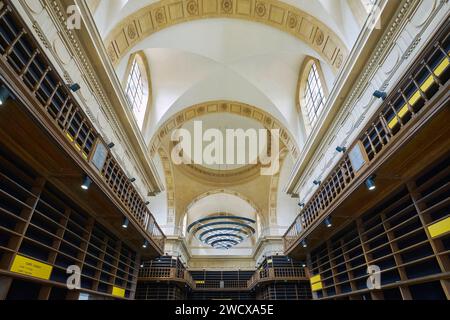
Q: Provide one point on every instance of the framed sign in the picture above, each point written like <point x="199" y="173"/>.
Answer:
<point x="99" y="157"/>
<point x="357" y="157"/>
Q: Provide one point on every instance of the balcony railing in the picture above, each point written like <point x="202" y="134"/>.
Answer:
<point x="408" y="101"/>
<point x="274" y="274"/>
<point x="21" y="53"/>
<point x="149" y="273"/>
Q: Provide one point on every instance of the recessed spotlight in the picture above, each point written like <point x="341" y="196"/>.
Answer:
<point x="145" y="244"/>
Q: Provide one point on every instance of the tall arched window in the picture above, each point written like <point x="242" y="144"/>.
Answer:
<point x="312" y="92"/>
<point x="137" y="88"/>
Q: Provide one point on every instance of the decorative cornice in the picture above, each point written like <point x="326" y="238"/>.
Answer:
<point x="277" y="14"/>
<point x="223" y="106"/>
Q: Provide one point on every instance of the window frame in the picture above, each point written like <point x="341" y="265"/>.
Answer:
<point x="310" y="120"/>
<point x="138" y="60"/>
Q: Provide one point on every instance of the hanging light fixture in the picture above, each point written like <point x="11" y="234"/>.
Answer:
<point x="145" y="244"/>
<point x="125" y="223"/>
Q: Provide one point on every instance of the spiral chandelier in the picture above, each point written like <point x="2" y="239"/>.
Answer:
<point x="222" y="231"/>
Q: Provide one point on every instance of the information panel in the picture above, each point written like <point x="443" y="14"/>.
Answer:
<point x="31" y="267"/>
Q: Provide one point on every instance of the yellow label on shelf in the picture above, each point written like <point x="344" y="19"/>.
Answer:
<point x="439" y="228"/>
<point x="427" y="83"/>
<point x="200" y="282"/>
<point x="315" y="279"/>
<point x="31" y="267"/>
<point x="316" y="286"/>
<point x="441" y="67"/>
<point x="414" y="98"/>
<point x="69" y="137"/>
<point x="118" y="292"/>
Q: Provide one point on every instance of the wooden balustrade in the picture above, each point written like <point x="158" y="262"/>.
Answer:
<point x="147" y="273"/>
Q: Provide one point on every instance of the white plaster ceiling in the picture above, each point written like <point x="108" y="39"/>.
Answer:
<point x="222" y="122"/>
<point x="223" y="59"/>
<point x="213" y="205"/>
<point x="220" y="202"/>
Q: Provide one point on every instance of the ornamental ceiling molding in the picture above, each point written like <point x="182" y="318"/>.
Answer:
<point x="222" y="106"/>
<point x="274" y="13"/>
<point x="222" y="177"/>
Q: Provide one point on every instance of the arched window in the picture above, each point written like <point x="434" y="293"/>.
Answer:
<point x="312" y="93"/>
<point x="137" y="88"/>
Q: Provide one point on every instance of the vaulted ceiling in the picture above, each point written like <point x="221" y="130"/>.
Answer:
<point x="247" y="56"/>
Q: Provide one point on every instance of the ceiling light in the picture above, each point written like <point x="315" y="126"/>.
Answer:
<point x="111" y="145"/>
<point x="145" y="244"/>
<point x="86" y="183"/>
<point x="380" y="94"/>
<point x="341" y="149"/>
<point x="327" y="222"/>
<point x="147" y="203"/>
<point x="125" y="223"/>
<point x="370" y="183"/>
<point x="4" y="95"/>
<point x="317" y="182"/>
<point x="301" y="204"/>
<point x="132" y="179"/>
<point x="304" y="243"/>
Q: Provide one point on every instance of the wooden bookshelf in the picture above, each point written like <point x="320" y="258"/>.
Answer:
<point x="402" y="109"/>
<point x="394" y="235"/>
<point x="31" y="76"/>
<point x="40" y="223"/>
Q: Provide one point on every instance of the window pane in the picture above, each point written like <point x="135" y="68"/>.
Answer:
<point x="136" y="93"/>
<point x="314" y="97"/>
